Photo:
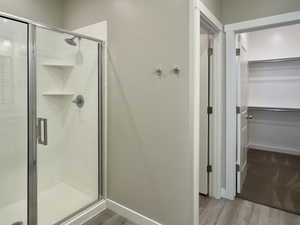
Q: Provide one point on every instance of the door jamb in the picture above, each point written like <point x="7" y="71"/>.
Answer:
<point x="216" y="85"/>
<point x="231" y="31"/>
<point x="198" y="11"/>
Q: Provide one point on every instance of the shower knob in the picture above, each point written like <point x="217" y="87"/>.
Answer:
<point x="79" y="101"/>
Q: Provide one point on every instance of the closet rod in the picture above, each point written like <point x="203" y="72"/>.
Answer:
<point x="273" y="109"/>
<point x="291" y="59"/>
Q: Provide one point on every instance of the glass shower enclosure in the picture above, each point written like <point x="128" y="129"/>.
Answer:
<point x="50" y="116"/>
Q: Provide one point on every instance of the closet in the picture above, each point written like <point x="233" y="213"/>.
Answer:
<point x="274" y="89"/>
<point x="273" y="93"/>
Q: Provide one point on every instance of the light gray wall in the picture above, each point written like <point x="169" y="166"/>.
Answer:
<point x="239" y="10"/>
<point x="149" y="161"/>
<point x="45" y="11"/>
<point x="214" y="6"/>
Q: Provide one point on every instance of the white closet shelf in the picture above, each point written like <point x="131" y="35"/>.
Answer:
<point x="58" y="93"/>
<point x="274" y="109"/>
<point x="291" y="59"/>
<point x="58" y="64"/>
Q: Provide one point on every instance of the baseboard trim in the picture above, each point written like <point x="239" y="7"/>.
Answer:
<point x="94" y="210"/>
<point x="87" y="214"/>
<point x="278" y="149"/>
<point x="226" y="195"/>
<point x="129" y="213"/>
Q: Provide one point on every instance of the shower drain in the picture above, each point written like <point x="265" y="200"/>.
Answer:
<point x="18" y="223"/>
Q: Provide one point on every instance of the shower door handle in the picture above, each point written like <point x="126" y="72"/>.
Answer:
<point x="42" y="131"/>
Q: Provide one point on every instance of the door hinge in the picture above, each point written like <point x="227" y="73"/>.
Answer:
<point x="210" y="51"/>
<point x="209" y="110"/>
<point x="238" y="110"/>
<point x="238" y="52"/>
<point x="238" y="169"/>
<point x="209" y="168"/>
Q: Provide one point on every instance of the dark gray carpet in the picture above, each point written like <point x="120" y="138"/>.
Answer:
<point x="273" y="179"/>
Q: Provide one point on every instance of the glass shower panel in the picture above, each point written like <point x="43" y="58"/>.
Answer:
<point x="13" y="121"/>
<point x="68" y="125"/>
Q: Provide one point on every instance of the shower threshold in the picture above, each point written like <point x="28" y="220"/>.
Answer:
<point x="54" y="204"/>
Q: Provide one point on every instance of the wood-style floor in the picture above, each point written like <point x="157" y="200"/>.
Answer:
<point x="219" y="212"/>
<point x="242" y="212"/>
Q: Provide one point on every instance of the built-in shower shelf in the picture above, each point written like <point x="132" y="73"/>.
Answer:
<point x="57" y="94"/>
<point x="58" y="64"/>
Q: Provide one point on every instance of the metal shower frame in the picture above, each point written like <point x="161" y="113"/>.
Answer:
<point x="32" y="196"/>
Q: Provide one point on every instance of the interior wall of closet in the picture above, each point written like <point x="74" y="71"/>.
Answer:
<point x="274" y="89"/>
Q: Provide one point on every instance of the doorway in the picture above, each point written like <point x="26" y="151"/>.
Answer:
<point x="203" y="18"/>
<point x="268" y="152"/>
<point x="263" y="112"/>
<point x="211" y="104"/>
<point x="206" y="108"/>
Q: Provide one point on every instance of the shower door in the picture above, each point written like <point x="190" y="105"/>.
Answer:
<point x="68" y="109"/>
<point x="50" y="123"/>
<point x="13" y="121"/>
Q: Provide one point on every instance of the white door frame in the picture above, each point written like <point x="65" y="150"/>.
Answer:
<point x="231" y="86"/>
<point x="199" y="12"/>
<point x="216" y="82"/>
